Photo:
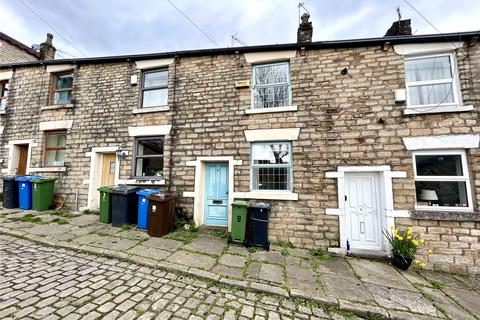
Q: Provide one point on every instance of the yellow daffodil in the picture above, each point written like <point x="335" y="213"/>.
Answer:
<point x="423" y="265"/>
<point x="399" y="237"/>
<point x="409" y="231"/>
<point x="430" y="251"/>
<point x="409" y="237"/>
<point x="415" y="243"/>
<point x="421" y="241"/>
<point x="417" y="261"/>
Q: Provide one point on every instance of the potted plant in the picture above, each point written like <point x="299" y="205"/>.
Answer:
<point x="404" y="246"/>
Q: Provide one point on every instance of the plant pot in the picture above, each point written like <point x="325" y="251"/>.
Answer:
<point x="401" y="262"/>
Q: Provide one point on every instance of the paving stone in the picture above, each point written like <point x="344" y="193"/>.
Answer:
<point x="49" y="229"/>
<point x="238" y="250"/>
<point x="346" y="287"/>
<point x="161" y="243"/>
<point x="228" y="271"/>
<point x="84" y="220"/>
<point x="114" y="243"/>
<point x="133" y="234"/>
<point x="402" y="300"/>
<point x="271" y="272"/>
<point x="269" y="256"/>
<point x="253" y="269"/>
<point x="335" y="266"/>
<point x="148" y="252"/>
<point x="87" y="239"/>
<point x="451" y="308"/>
<point x="192" y="259"/>
<point x="446" y="279"/>
<point x="380" y="273"/>
<point x="207" y="244"/>
<point x="467" y="298"/>
<point x="232" y="260"/>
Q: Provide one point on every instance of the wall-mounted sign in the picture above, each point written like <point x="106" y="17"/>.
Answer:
<point x="242" y="84"/>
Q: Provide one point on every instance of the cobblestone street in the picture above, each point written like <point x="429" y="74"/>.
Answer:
<point x="38" y="282"/>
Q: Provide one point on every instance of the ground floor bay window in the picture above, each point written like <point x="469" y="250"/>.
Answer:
<point x="442" y="180"/>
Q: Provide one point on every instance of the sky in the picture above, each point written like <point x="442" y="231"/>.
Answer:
<point x="115" y="27"/>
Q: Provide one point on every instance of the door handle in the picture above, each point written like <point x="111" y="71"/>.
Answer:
<point x="362" y="227"/>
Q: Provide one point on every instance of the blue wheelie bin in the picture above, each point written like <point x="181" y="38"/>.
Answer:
<point x="25" y="191"/>
<point x="143" y="206"/>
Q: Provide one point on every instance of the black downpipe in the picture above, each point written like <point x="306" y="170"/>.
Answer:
<point x="174" y="128"/>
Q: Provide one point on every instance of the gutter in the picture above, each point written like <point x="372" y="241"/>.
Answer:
<point x="348" y="43"/>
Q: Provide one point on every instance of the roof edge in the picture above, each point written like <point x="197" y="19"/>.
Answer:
<point x="347" y="43"/>
<point x="19" y="45"/>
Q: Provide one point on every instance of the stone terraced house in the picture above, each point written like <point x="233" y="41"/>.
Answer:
<point x="344" y="138"/>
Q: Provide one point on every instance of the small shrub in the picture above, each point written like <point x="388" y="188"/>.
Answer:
<point x="219" y="234"/>
<point x="321" y="254"/>
<point x="60" y="221"/>
<point x="437" y="284"/>
<point x="183" y="235"/>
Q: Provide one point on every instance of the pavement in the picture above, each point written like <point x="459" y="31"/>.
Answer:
<point x="352" y="286"/>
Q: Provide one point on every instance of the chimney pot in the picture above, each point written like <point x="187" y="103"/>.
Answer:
<point x="305" y="30"/>
<point x="47" y="50"/>
<point x="400" y="28"/>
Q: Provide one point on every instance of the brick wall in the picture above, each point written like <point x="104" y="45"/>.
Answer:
<point x="338" y="116"/>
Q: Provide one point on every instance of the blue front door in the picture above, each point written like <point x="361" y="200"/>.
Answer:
<point x="216" y="194"/>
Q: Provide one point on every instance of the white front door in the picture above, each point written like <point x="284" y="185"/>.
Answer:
<point x="362" y="209"/>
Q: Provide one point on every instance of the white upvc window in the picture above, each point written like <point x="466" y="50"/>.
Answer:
<point x="442" y="181"/>
<point x="271" y="166"/>
<point x="432" y="80"/>
<point x="271" y="85"/>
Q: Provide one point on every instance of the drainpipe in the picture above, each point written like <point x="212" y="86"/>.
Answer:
<point x="174" y="128"/>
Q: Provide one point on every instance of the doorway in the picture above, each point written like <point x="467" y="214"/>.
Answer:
<point x="216" y="194"/>
<point x="108" y="169"/>
<point x="22" y="159"/>
<point x="363" y="214"/>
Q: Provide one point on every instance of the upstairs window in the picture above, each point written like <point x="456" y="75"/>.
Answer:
<point x="442" y="181"/>
<point x="271" y="85"/>
<point x="271" y="166"/>
<point x="62" y="88"/>
<point x="149" y="157"/>
<point x="55" y="146"/>
<point x="431" y="80"/>
<point x="3" y="94"/>
<point x="154" y="88"/>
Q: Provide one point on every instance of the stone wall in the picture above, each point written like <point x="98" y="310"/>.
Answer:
<point x="347" y="119"/>
<point x="10" y="53"/>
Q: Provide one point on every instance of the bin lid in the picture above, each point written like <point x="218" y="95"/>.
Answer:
<point x="26" y="178"/>
<point x="240" y="203"/>
<point x="106" y="188"/>
<point x="147" y="192"/>
<point x="160" y="196"/>
<point x="43" y="179"/>
<point x="124" y="190"/>
<point x="260" y="205"/>
<point x="9" y="178"/>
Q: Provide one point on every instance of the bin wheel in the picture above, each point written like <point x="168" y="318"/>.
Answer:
<point x="229" y="240"/>
<point x="267" y="247"/>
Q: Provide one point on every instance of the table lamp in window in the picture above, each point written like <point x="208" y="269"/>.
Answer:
<point x="429" y="195"/>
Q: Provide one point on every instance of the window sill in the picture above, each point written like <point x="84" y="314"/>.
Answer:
<point x="57" y="106"/>
<point x="439" y="109"/>
<point x="48" y="169"/>
<point x="445" y="215"/>
<point x="265" y="195"/>
<point x="251" y="110"/>
<point x="151" y="109"/>
<point x="143" y="182"/>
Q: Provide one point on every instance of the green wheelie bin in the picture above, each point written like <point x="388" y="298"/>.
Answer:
<point x="42" y="193"/>
<point x="105" y="204"/>
<point x="239" y="221"/>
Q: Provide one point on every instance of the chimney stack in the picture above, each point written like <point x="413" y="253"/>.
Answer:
<point x="400" y="28"/>
<point x="305" y="30"/>
<point x="47" y="50"/>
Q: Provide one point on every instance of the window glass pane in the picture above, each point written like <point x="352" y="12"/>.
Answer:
<point x="442" y="193"/>
<point x="271" y="154"/>
<point x="56" y="140"/>
<point x="271" y="74"/>
<point x="155" y="98"/>
<point x="271" y="178"/>
<point x="439" y="165"/>
<point x="425" y="69"/>
<point x="3" y="94"/>
<point x="55" y="157"/>
<point x="155" y="79"/>
<point x="62" y="97"/>
<point x="150" y="147"/>
<point x="64" y="81"/>
<point x="273" y="96"/>
<point x="431" y="94"/>
<point x="149" y="167"/>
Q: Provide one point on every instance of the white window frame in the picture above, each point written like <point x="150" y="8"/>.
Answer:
<point x="290" y="166"/>
<point x="465" y="177"/>
<point x="289" y="84"/>
<point x="454" y="80"/>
